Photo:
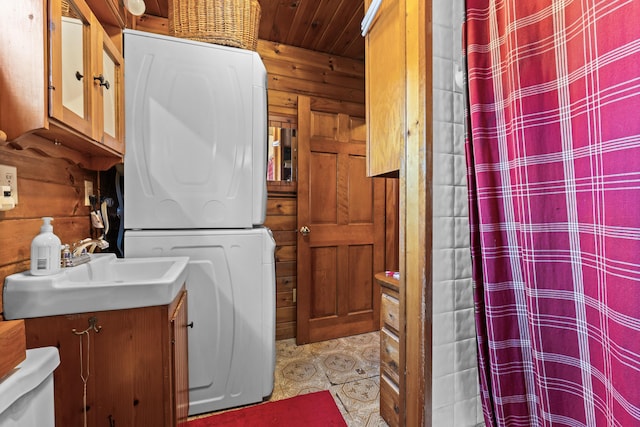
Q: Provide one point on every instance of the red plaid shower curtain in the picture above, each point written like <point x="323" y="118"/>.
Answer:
<point x="553" y="153"/>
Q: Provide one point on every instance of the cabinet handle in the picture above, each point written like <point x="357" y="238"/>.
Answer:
<point x="102" y="81"/>
<point x="78" y="75"/>
<point x="190" y="325"/>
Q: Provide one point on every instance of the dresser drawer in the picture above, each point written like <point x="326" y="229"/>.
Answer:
<point x="390" y="312"/>
<point x="389" y="401"/>
<point x="389" y="354"/>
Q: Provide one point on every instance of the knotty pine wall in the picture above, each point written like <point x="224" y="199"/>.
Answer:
<point x="335" y="84"/>
<point x="46" y="187"/>
<point x="282" y="220"/>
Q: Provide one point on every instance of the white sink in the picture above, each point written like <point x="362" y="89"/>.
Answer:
<point x="103" y="283"/>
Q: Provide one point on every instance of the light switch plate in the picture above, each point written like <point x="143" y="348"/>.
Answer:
<point x="88" y="191"/>
<point x="9" y="176"/>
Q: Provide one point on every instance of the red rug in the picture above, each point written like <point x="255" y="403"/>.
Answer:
<point x="308" y="410"/>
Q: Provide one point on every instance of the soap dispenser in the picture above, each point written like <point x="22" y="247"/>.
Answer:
<point x="45" y="250"/>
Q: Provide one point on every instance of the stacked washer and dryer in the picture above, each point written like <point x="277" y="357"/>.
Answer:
<point x="195" y="185"/>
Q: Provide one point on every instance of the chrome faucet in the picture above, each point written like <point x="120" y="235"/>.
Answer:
<point x="90" y="245"/>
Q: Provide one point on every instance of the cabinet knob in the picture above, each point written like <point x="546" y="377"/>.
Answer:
<point x="102" y="81"/>
<point x="78" y="75"/>
<point x="190" y="325"/>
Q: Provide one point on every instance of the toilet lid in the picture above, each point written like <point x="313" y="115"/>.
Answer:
<point x="28" y="375"/>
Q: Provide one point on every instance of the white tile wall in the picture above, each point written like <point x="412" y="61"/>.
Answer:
<point x="456" y="401"/>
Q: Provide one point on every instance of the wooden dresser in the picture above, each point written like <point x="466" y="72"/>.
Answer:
<point x="390" y="379"/>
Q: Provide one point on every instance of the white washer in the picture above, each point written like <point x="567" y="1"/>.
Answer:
<point x="26" y="396"/>
<point x="231" y="302"/>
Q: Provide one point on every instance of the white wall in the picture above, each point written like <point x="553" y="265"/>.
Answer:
<point x="456" y="401"/>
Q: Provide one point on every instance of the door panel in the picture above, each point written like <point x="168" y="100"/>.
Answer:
<point x="344" y="212"/>
<point x="324" y="262"/>
<point x="360" y="192"/>
<point x="360" y="266"/>
<point x="322" y="175"/>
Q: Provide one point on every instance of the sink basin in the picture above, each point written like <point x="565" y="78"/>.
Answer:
<point x="103" y="283"/>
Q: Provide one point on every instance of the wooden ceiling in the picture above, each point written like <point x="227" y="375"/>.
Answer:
<point x="329" y="26"/>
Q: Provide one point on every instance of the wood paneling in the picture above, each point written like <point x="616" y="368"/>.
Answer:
<point x="281" y="218"/>
<point x="46" y="187"/>
<point x="392" y="238"/>
<point x="329" y="26"/>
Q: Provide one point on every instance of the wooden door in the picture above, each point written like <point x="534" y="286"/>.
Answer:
<point x="344" y="213"/>
<point x="180" y="365"/>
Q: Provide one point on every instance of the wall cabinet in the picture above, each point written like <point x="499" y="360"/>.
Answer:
<point x="64" y="82"/>
<point x="134" y="363"/>
<point x="385" y="81"/>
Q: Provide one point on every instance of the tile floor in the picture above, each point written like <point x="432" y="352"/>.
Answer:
<point x="347" y="367"/>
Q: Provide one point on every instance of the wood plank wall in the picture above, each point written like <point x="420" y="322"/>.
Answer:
<point x="281" y="218"/>
<point x="46" y="187"/>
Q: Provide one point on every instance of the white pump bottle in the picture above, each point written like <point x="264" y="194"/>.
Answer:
<point x="45" y="250"/>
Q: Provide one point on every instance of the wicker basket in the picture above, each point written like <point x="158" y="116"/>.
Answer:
<point x="227" y="22"/>
<point x="66" y="9"/>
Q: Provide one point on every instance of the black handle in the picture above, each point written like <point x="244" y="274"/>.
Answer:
<point x="102" y="81"/>
<point x="78" y="75"/>
<point x="190" y="325"/>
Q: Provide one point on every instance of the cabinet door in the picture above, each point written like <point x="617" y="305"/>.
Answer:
<point x="70" y="75"/>
<point x="385" y="80"/>
<point x="76" y="362"/>
<point x="109" y="128"/>
<point x="180" y="368"/>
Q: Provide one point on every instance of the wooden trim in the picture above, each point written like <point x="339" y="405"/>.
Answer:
<point x="416" y="217"/>
<point x="391" y="225"/>
<point x="282" y="187"/>
<point x="304" y="136"/>
<point x="328" y="63"/>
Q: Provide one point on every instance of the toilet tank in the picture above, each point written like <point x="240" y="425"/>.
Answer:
<point x="26" y="395"/>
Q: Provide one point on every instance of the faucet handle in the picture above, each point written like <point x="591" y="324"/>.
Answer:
<point x="66" y="256"/>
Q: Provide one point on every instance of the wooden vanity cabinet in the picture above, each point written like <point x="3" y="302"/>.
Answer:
<point x="385" y="82"/>
<point x="62" y="79"/>
<point x="390" y="350"/>
<point x="135" y="366"/>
